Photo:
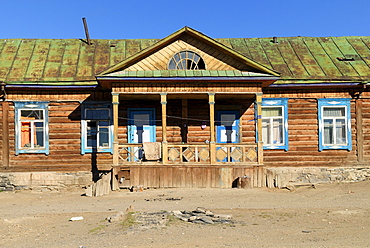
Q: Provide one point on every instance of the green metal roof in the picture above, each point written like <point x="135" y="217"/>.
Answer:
<point x="71" y="60"/>
<point x="186" y="73"/>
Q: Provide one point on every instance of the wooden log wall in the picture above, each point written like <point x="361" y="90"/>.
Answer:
<point x="303" y="134"/>
<point x="64" y="137"/>
<point x="365" y="104"/>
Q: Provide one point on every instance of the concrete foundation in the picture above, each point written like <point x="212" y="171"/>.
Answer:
<point x="43" y="180"/>
<point x="285" y="177"/>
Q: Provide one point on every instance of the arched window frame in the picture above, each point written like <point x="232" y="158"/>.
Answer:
<point x="177" y="61"/>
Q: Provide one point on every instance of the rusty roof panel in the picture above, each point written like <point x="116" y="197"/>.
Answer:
<point x="275" y="57"/>
<point x="117" y="52"/>
<point x="54" y="60"/>
<point x="350" y="53"/>
<point x="22" y="60"/>
<point x="132" y="47"/>
<point x="306" y="58"/>
<point x="288" y="54"/>
<point x="359" y="44"/>
<point x="102" y="55"/>
<point x="85" y="66"/>
<point x="147" y="43"/>
<point x="240" y="46"/>
<point x="257" y="52"/>
<point x="7" y="57"/>
<point x="322" y="58"/>
<point x="333" y="52"/>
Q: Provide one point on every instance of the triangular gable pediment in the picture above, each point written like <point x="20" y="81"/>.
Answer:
<point x="216" y="56"/>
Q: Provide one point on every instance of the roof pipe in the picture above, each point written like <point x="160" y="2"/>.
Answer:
<point x="86" y="31"/>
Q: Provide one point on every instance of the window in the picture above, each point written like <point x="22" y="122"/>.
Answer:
<point x="334" y="124"/>
<point x="97" y="135"/>
<point x="275" y="123"/>
<point x="186" y="60"/>
<point x="31" y="125"/>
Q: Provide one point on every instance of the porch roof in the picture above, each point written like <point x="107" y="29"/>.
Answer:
<point x="186" y="73"/>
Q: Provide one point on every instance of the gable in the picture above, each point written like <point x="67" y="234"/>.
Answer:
<point x="213" y="58"/>
<point x="217" y="57"/>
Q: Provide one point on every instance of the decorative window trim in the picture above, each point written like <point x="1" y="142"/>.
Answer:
<point x="186" y="60"/>
<point x="31" y="105"/>
<point x="278" y="102"/>
<point x="337" y="102"/>
<point x="84" y="124"/>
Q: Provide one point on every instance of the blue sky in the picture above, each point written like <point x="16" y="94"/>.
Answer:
<point x="143" y="19"/>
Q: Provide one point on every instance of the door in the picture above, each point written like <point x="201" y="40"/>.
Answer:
<point x="141" y="129"/>
<point x="227" y="131"/>
<point x="227" y="128"/>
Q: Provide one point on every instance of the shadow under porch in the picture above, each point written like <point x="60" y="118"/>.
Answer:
<point x="208" y="140"/>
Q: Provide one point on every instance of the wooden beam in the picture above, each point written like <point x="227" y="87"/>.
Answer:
<point x="115" y="102"/>
<point x="184" y="115"/>
<point x="5" y="158"/>
<point x="164" y="128"/>
<point x="359" y="131"/>
<point x="212" y="147"/>
<point x="259" y="128"/>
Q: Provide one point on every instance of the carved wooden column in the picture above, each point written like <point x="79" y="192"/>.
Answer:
<point x="212" y="144"/>
<point x="259" y="128"/>
<point x="164" y="128"/>
<point x="115" y="168"/>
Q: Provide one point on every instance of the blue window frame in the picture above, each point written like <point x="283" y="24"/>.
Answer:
<point x="31" y="127"/>
<point x="96" y="127"/>
<point x="275" y="123"/>
<point x="334" y="124"/>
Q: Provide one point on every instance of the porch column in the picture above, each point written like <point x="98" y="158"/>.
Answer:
<point x="115" y="102"/>
<point x="212" y="145"/>
<point x="164" y="128"/>
<point x="259" y="128"/>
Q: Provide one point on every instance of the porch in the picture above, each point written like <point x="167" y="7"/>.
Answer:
<point x="196" y="156"/>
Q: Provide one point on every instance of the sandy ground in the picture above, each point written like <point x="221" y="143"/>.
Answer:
<point x="335" y="215"/>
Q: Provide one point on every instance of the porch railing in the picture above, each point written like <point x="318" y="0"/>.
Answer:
<point x="194" y="153"/>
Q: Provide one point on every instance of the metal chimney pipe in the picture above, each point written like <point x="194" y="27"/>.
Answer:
<point x="86" y="31"/>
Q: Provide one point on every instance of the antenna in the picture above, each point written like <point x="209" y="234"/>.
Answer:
<point x="86" y="31"/>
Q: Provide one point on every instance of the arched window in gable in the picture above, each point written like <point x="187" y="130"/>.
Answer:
<point x="186" y="60"/>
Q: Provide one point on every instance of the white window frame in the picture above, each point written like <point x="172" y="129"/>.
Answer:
<point x="283" y="104"/>
<point x="84" y="128"/>
<point x="335" y="103"/>
<point x="32" y="148"/>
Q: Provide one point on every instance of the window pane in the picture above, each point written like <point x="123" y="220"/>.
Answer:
<point x="104" y="137"/>
<point x="39" y="137"/>
<point x="97" y="114"/>
<point x="334" y="111"/>
<point x="277" y="131"/>
<point x="228" y="120"/>
<point x="32" y="114"/>
<point x="172" y="65"/>
<point x="274" y="111"/>
<point x="265" y="131"/>
<point x="328" y="132"/>
<point x="340" y="132"/>
<point x="26" y="134"/>
<point x="91" y="133"/>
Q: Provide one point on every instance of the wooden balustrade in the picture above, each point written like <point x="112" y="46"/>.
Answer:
<point x="232" y="153"/>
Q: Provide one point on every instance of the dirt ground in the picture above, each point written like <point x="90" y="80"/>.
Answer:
<point x="332" y="215"/>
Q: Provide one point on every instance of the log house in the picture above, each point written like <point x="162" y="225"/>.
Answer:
<point x="183" y="111"/>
